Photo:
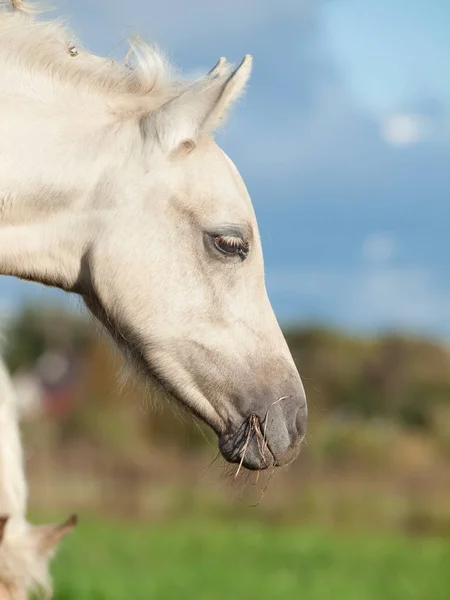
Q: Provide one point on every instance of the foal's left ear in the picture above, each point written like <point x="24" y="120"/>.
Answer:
<point x="199" y="109"/>
<point x="48" y="536"/>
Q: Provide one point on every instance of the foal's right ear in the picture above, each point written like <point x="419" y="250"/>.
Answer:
<point x="3" y="521"/>
<point x="200" y="108"/>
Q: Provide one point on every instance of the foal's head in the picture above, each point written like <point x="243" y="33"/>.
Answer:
<point x="168" y="256"/>
<point x="177" y="276"/>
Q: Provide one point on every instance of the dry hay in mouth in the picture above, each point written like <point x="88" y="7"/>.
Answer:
<point x="253" y="424"/>
<point x="253" y="431"/>
<point x="253" y="428"/>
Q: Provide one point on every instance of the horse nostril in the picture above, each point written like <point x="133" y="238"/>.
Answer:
<point x="302" y="420"/>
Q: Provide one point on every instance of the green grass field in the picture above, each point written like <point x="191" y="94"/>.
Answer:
<point x="229" y="561"/>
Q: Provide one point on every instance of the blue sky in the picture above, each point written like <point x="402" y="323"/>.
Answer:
<point x="343" y="140"/>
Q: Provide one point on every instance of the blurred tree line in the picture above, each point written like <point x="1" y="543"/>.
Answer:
<point x="394" y="378"/>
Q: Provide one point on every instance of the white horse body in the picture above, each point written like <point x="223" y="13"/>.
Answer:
<point x="25" y="550"/>
<point x="112" y="187"/>
<point x="13" y="488"/>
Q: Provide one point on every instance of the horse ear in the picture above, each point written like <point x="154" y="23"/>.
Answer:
<point x="232" y="90"/>
<point x="200" y="108"/>
<point x="48" y="536"/>
<point x="3" y="521"/>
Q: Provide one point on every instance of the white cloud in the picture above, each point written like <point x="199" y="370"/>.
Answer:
<point x="379" y="247"/>
<point x="402" y="129"/>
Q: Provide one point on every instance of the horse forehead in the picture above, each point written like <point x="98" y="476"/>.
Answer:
<point x="216" y="175"/>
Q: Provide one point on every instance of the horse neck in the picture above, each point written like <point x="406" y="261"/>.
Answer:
<point x="58" y="172"/>
<point x="53" y="132"/>
<point x="51" y="162"/>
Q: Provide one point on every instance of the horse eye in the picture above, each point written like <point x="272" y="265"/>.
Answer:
<point x="231" y="245"/>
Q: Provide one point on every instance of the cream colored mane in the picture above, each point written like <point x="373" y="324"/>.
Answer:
<point x="62" y="71"/>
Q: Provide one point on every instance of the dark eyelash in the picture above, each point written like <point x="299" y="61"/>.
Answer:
<point x="231" y="245"/>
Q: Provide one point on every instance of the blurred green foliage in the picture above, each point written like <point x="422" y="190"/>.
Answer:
<point x="249" y="561"/>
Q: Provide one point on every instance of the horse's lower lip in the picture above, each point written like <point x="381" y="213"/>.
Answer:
<point x="290" y="455"/>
